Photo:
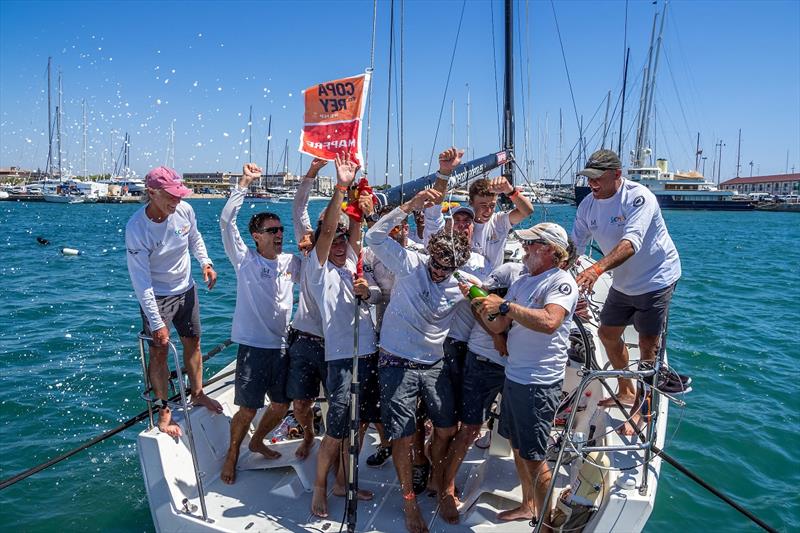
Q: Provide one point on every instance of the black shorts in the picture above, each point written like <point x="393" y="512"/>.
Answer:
<point x="647" y="312"/>
<point x="259" y="372"/>
<point x="455" y="353"/>
<point x="526" y="417"/>
<point x="401" y="382"/>
<point x="483" y="381"/>
<point x="340" y="377"/>
<point x="180" y="310"/>
<point x="307" y="366"/>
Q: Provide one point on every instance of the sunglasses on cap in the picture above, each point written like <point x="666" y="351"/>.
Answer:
<point x="531" y="242"/>
<point x="274" y="230"/>
<point x="434" y="264"/>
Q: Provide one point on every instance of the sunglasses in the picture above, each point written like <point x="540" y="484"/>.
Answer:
<point x="274" y="230"/>
<point x="342" y="237"/>
<point x="535" y="241"/>
<point x="434" y="264"/>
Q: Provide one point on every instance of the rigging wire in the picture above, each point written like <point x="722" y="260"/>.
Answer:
<point x="566" y="68"/>
<point x="447" y="83"/>
<point x="400" y="138"/>
<point x="371" y="69"/>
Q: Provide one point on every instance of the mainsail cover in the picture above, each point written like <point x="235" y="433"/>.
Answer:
<point x="332" y="120"/>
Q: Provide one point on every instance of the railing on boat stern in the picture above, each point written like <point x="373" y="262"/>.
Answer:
<point x="577" y="441"/>
<point x="146" y="395"/>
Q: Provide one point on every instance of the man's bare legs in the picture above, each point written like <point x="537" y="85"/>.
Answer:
<point x="540" y="473"/>
<point x="239" y="426"/>
<point x="193" y="361"/>
<point x="401" y="456"/>
<point x="275" y="413"/>
<point x="328" y="451"/>
<point x="305" y="417"/>
<point x="158" y="373"/>
<point x="525" y="511"/>
<point x="440" y="444"/>
<point x="449" y="502"/>
<point x="340" y="486"/>
<point x="648" y="347"/>
<point x="617" y="352"/>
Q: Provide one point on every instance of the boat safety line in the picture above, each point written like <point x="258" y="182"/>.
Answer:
<point x="110" y="433"/>
<point x="668" y="458"/>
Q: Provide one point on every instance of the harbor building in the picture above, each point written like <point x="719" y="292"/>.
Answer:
<point x="776" y="184"/>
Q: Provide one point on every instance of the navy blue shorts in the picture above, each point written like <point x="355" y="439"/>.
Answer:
<point x="401" y="382"/>
<point x="340" y="377"/>
<point x="647" y="312"/>
<point x="526" y="417"/>
<point x="260" y="371"/>
<point x="483" y="381"/>
<point x="455" y="353"/>
<point x="307" y="367"/>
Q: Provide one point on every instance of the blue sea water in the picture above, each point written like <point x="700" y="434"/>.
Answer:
<point x="70" y="369"/>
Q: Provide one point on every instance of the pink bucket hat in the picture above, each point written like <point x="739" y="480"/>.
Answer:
<point x="167" y="179"/>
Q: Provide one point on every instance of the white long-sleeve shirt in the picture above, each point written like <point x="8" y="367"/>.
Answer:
<point x="263" y="286"/>
<point x="158" y="257"/>
<point x="420" y="311"/>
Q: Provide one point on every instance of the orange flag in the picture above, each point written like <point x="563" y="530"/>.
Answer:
<point x="332" y="119"/>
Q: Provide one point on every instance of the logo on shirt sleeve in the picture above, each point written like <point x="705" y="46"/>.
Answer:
<point x="638" y="201"/>
<point x="565" y="289"/>
<point x="133" y="251"/>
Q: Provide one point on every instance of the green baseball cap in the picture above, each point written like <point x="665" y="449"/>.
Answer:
<point x="599" y="162"/>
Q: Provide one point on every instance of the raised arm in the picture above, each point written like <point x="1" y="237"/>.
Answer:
<point x="345" y="174"/>
<point x="522" y="206"/>
<point x="301" y="222"/>
<point x="235" y="248"/>
<point x="448" y="160"/>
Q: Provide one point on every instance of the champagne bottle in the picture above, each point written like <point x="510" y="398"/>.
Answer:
<point x="474" y="290"/>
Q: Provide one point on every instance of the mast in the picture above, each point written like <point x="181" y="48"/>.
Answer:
<point x="85" y="173"/>
<point x="739" y="154"/>
<point x="652" y="90"/>
<point x="697" y="153"/>
<point x="605" y="120"/>
<point x="641" y="132"/>
<point x="622" y="107"/>
<point x="250" y="139"/>
<point x="508" y="98"/>
<point x="49" y="120"/>
<point x="285" y="160"/>
<point x="58" y="127"/>
<point x="266" y="165"/>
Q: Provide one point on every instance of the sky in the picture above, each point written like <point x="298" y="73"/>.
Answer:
<point x="142" y="67"/>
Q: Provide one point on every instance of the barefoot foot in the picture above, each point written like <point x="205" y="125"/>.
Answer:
<point x="303" y="450"/>
<point x="448" y="508"/>
<point x="202" y="399"/>
<point x="626" y="401"/>
<point x="364" y="495"/>
<point x="628" y="429"/>
<point x="257" y="446"/>
<point x="319" y="502"/>
<point x="167" y="425"/>
<point x="522" y="512"/>
<point x="228" y="474"/>
<point x="414" y="521"/>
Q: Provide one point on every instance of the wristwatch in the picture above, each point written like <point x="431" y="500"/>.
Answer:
<point x="504" y="308"/>
<point x="372" y="218"/>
